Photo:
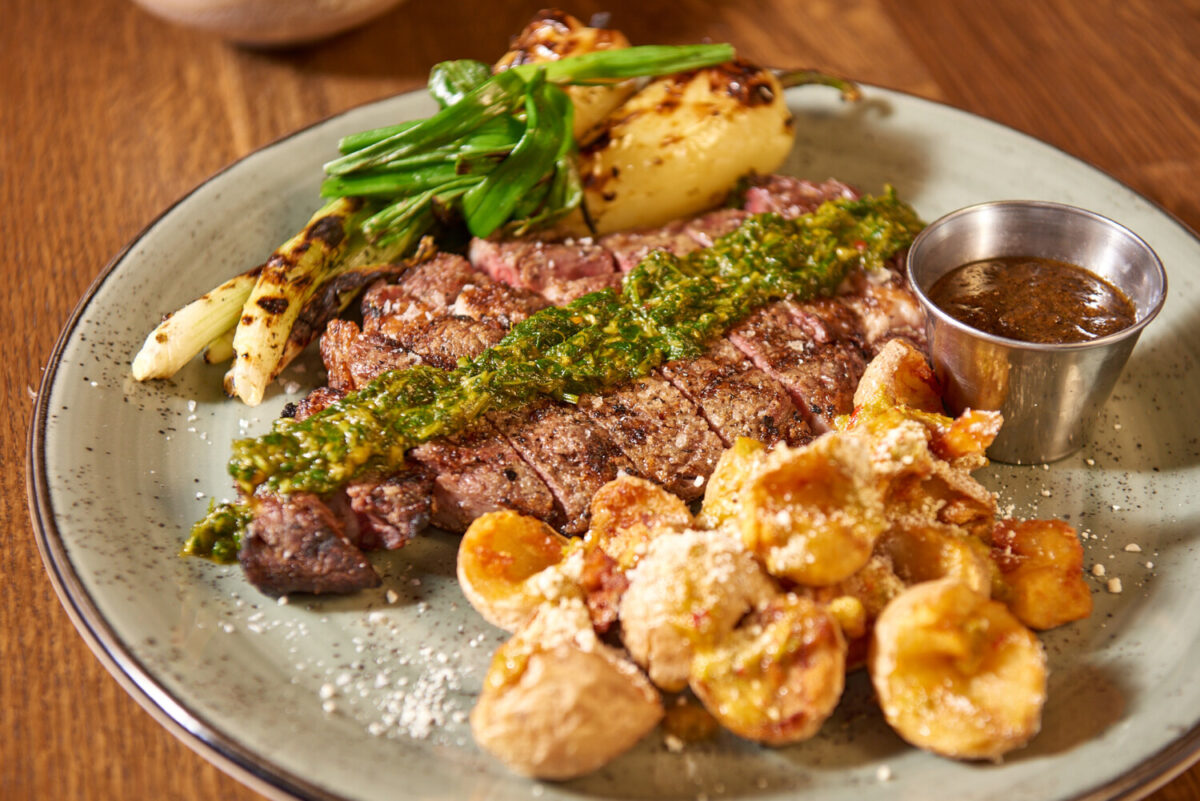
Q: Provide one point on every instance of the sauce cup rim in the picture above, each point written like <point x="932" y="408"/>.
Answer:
<point x="1061" y="208"/>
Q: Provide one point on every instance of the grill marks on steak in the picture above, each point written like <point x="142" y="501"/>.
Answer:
<point x="296" y="544"/>
<point x="661" y="432"/>
<point x="477" y="471"/>
<point x="573" y="455"/>
<point x="737" y="398"/>
<point x="807" y="353"/>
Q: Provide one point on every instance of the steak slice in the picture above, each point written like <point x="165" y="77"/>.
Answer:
<point x="391" y="511"/>
<point x="820" y="375"/>
<point x="531" y="264"/>
<point x="492" y="302"/>
<point x="437" y="282"/>
<point x="445" y="340"/>
<point x="737" y="398"/>
<point x="297" y="544"/>
<point x="630" y="247"/>
<point x="886" y="307"/>
<point x="661" y="431"/>
<point x="791" y="197"/>
<point x="573" y="455"/>
<point x="707" y="228"/>
<point x="354" y="359"/>
<point x="477" y="472"/>
<point x="560" y="293"/>
<point x="320" y="398"/>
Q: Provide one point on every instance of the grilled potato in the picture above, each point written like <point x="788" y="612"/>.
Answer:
<point x="778" y="676"/>
<point x="680" y="144"/>
<point x="924" y="551"/>
<point x="957" y="673"/>
<point x="553" y="35"/>
<point x="500" y="558"/>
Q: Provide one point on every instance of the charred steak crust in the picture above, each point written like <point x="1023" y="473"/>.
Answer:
<point x="661" y="431"/>
<point x="297" y="544"/>
<point x="478" y="472"/>
<point x="573" y="455"/>
<point x="392" y="510"/>
<point x="737" y="398"/>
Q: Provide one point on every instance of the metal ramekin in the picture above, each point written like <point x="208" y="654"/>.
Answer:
<point x="1048" y="393"/>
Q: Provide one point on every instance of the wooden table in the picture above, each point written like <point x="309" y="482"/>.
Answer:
<point x="110" y="115"/>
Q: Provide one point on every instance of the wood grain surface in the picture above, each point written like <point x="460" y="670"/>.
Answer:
<point x="110" y="115"/>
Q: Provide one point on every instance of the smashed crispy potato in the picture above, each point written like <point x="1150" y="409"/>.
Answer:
<point x="628" y="512"/>
<point x="778" y="676"/>
<point x="557" y="702"/>
<point x="812" y="514"/>
<point x="924" y="551"/>
<point x="498" y="558"/>
<point x="722" y="496"/>
<point x="688" y="592"/>
<point x="957" y="673"/>
<point x="899" y="375"/>
<point x="1041" y="567"/>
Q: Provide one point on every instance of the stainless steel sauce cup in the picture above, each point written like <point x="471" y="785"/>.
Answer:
<point x="1048" y="393"/>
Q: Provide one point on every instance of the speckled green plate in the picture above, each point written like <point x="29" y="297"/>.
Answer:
<point x="366" y="697"/>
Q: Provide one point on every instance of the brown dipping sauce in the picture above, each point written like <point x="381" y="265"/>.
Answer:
<point x="1033" y="300"/>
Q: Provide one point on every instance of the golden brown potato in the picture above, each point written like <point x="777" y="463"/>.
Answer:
<point x="924" y="551"/>
<point x="778" y="676"/>
<point x="722" y="496"/>
<point x="689" y="590"/>
<point x="628" y="512"/>
<point x="558" y="703"/>
<point x="957" y="673"/>
<point x="899" y="375"/>
<point x="553" y="35"/>
<point x="1041" y="565"/>
<point x="498" y="559"/>
<point x="812" y="514"/>
<point x="678" y="146"/>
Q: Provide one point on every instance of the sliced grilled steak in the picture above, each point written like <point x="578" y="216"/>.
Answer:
<point x="573" y="455"/>
<point x="313" y="402"/>
<point x="791" y="197"/>
<point x="886" y="307"/>
<point x="353" y="358"/>
<point x="737" y="398"/>
<point x="391" y="511"/>
<point x="707" y="228"/>
<point x="492" y="302"/>
<point x="530" y="264"/>
<point x="630" y="247"/>
<point x="296" y="544"/>
<point x="661" y="431"/>
<point x="820" y="375"/>
<point x="560" y="293"/>
<point x="478" y="472"/>
<point x="437" y="282"/>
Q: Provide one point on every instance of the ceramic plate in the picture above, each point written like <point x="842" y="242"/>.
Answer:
<point x="366" y="697"/>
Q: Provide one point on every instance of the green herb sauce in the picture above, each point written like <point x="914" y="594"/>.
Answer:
<point x="670" y="307"/>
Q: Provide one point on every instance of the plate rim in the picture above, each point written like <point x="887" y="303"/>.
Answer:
<point x="268" y="778"/>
